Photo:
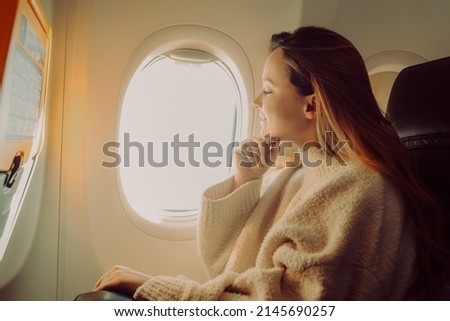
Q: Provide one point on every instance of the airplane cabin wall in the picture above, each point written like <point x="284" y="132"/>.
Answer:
<point x="419" y="27"/>
<point x="92" y="42"/>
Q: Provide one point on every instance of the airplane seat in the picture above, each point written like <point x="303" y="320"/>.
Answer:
<point x="419" y="109"/>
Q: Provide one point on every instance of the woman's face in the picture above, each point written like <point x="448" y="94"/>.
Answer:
<point x="284" y="112"/>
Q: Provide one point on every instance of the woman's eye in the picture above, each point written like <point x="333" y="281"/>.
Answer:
<point x="266" y="92"/>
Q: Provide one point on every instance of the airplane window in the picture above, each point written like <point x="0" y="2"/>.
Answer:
<point x="384" y="67"/>
<point x="382" y="83"/>
<point x="177" y="130"/>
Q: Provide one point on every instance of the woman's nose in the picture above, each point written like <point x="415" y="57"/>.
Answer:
<point x="257" y="101"/>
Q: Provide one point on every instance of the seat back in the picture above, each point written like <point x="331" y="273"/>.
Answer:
<point x="419" y="109"/>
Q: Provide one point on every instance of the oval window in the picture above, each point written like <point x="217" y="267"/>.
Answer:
<point x="177" y="131"/>
<point x="185" y="102"/>
<point x="384" y="67"/>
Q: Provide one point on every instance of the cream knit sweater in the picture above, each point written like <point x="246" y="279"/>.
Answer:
<point x="330" y="232"/>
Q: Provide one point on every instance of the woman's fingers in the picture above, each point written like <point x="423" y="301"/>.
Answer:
<point x="121" y="279"/>
<point x="257" y="152"/>
<point x="254" y="157"/>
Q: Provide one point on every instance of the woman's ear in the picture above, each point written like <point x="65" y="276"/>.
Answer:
<point x="310" y="106"/>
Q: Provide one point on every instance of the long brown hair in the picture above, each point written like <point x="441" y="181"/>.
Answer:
<point x="325" y="63"/>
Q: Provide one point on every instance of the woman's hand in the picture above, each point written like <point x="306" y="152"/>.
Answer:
<point x="254" y="157"/>
<point x="121" y="279"/>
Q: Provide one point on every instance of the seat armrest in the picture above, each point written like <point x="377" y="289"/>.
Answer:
<point x="102" y="296"/>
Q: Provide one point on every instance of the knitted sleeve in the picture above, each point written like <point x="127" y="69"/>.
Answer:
<point x="224" y="215"/>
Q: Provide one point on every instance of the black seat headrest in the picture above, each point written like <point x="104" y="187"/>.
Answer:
<point x="419" y="104"/>
<point x="419" y="109"/>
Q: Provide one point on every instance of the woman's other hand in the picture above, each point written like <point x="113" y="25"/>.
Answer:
<point x="121" y="279"/>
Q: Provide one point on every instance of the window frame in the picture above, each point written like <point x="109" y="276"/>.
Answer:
<point x="235" y="63"/>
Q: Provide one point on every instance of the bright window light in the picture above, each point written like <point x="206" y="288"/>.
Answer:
<point x="177" y="130"/>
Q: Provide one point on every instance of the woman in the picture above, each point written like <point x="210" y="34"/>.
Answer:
<point x="351" y="222"/>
